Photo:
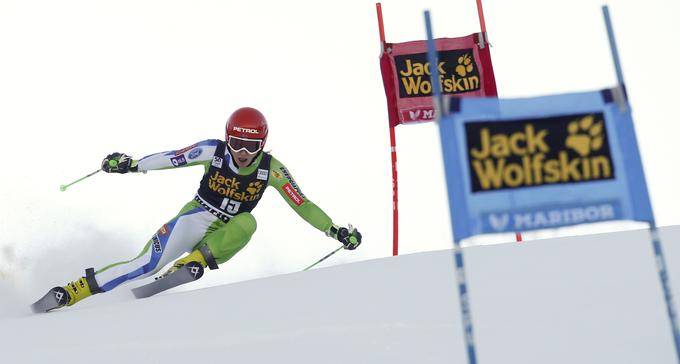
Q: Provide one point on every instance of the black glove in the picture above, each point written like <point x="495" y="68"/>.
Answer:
<point x="119" y="163"/>
<point x="349" y="237"/>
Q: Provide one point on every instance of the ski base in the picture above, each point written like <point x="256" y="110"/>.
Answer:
<point x="188" y="273"/>
<point x="56" y="297"/>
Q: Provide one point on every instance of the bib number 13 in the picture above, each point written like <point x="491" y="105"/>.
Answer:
<point x="230" y="206"/>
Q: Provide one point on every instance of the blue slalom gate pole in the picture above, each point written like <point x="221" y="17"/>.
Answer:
<point x="656" y="240"/>
<point x="466" y="314"/>
<point x="665" y="284"/>
<point x="434" y="68"/>
<point x="612" y="45"/>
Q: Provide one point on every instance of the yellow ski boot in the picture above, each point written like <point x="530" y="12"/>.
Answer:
<point x="202" y="256"/>
<point x="69" y="294"/>
<point x="82" y="288"/>
<point x="194" y="256"/>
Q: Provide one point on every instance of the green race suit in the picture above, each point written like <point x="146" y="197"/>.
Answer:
<point x="220" y="214"/>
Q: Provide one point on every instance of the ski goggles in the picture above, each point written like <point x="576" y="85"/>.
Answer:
<point x="251" y="146"/>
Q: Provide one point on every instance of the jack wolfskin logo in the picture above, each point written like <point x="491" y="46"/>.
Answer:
<point x="458" y="73"/>
<point x="465" y="65"/>
<point x="585" y="135"/>
<point x="254" y="187"/>
<point x="536" y="152"/>
<point x="231" y="188"/>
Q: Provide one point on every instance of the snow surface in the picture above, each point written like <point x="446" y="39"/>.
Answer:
<point x="585" y="299"/>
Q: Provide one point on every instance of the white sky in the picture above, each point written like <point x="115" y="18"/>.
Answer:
<point x="81" y="79"/>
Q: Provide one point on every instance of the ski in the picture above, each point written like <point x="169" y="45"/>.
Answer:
<point x="55" y="298"/>
<point x="188" y="273"/>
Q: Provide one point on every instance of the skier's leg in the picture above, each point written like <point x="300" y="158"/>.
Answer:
<point x="172" y="240"/>
<point x="221" y="242"/>
<point x="229" y="239"/>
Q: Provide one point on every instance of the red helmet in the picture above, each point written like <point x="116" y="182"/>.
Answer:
<point x="247" y="123"/>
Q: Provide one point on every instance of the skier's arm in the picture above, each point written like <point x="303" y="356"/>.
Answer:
<point x="281" y="179"/>
<point x="199" y="153"/>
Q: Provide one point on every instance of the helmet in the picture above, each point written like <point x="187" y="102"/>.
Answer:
<point x="247" y="123"/>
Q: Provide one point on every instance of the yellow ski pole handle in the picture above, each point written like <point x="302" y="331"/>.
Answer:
<point x="63" y="188"/>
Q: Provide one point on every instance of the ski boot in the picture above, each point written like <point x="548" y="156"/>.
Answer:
<point x="198" y="256"/>
<point x="184" y="270"/>
<point x="69" y="294"/>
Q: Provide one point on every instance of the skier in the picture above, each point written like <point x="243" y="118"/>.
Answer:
<point x="217" y="223"/>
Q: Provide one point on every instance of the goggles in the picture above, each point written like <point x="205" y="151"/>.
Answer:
<point x="251" y="146"/>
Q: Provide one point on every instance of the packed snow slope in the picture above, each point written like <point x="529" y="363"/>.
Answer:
<point x="587" y="299"/>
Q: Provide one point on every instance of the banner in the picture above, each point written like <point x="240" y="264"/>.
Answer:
<point x="464" y="70"/>
<point x="541" y="163"/>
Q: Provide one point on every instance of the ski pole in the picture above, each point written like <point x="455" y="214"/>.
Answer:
<point x="324" y="258"/>
<point x="63" y="188"/>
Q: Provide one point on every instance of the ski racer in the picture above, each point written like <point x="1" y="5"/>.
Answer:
<point x="217" y="223"/>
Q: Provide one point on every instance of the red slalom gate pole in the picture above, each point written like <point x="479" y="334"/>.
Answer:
<point x="393" y="151"/>
<point x="480" y="11"/>
<point x="381" y="27"/>
<point x="395" y="196"/>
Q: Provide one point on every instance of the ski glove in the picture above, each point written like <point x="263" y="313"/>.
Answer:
<point x="119" y="163"/>
<point x="349" y="237"/>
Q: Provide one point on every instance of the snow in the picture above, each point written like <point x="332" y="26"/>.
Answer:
<point x="586" y="299"/>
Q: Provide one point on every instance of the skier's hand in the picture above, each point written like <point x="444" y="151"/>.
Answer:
<point x="349" y="237"/>
<point x="119" y="163"/>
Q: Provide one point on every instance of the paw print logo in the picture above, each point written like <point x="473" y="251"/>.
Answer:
<point x="254" y="187"/>
<point x="585" y="135"/>
<point x="464" y="65"/>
